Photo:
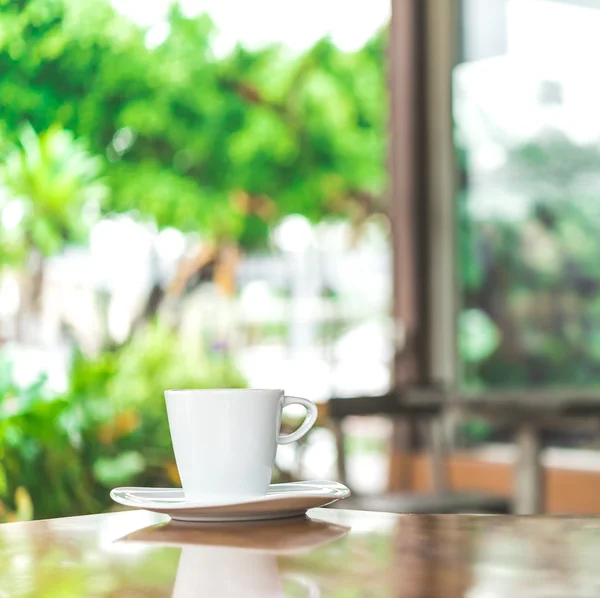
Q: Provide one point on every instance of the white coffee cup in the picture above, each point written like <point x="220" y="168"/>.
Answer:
<point x="225" y="440"/>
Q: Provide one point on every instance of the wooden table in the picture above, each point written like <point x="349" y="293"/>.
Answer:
<point x="334" y="553"/>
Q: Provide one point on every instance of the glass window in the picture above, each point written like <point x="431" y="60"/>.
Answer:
<point x="527" y="121"/>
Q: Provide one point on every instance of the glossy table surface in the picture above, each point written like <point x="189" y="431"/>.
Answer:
<point x="331" y="553"/>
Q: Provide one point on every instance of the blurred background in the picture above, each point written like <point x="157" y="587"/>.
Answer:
<point x="390" y="208"/>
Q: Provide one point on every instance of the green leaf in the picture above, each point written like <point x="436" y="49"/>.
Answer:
<point x="120" y="470"/>
<point x="24" y="504"/>
<point x="479" y="337"/>
<point x="3" y="481"/>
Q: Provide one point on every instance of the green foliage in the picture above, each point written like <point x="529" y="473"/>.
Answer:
<point x="184" y="133"/>
<point x="50" y="182"/>
<point x="478" y="337"/>
<point x="39" y="456"/>
<point x="120" y="469"/>
<point x="534" y="280"/>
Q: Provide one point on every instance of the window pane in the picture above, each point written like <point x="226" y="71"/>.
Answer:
<point x="528" y="137"/>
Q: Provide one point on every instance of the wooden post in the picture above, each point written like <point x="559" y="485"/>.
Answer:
<point x="441" y="56"/>
<point x="404" y="163"/>
<point x="437" y="455"/>
<point x="400" y="471"/>
<point x="406" y="186"/>
<point x="422" y="185"/>
<point x="338" y="433"/>
<point x="529" y="473"/>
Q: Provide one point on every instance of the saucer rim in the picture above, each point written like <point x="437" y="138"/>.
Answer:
<point x="325" y="489"/>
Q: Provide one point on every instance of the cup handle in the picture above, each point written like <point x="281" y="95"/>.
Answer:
<point x="307" y="424"/>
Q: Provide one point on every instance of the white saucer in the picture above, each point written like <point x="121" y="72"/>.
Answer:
<point x="282" y="500"/>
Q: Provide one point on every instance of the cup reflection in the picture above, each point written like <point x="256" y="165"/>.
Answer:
<point x="227" y="572"/>
<point x="240" y="559"/>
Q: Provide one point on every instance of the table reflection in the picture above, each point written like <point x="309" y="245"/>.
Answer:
<point x="334" y="555"/>
<point x="431" y="556"/>
<point x="456" y="556"/>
